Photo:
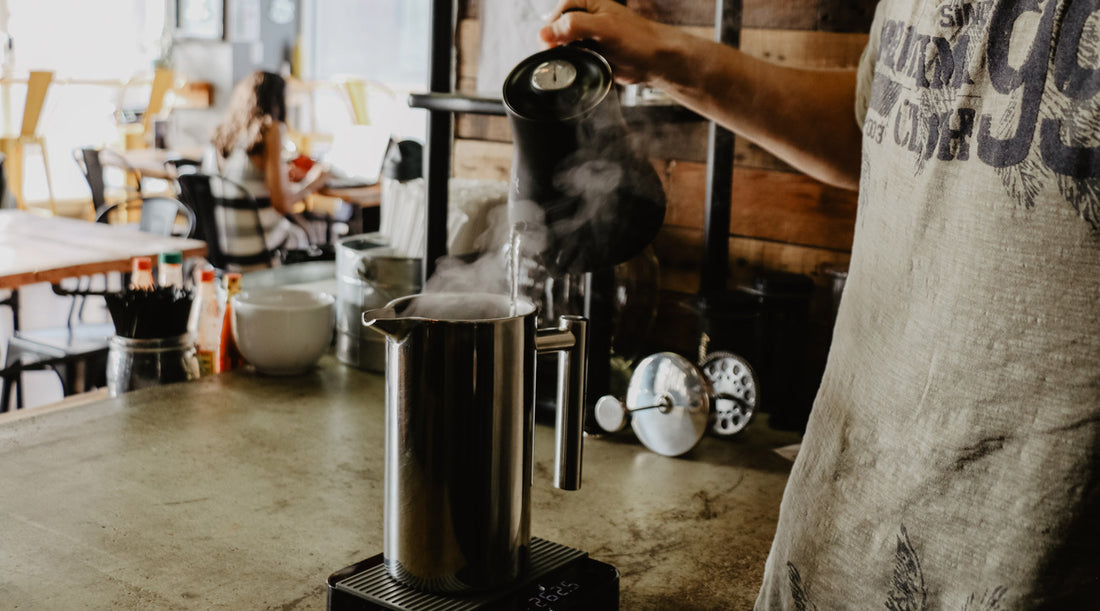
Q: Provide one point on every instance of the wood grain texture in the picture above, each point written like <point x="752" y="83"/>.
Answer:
<point x="481" y="159"/>
<point x="680" y="251"/>
<point x="467" y="48"/>
<point x="51" y="249"/>
<point x="777" y="206"/>
<point x="806" y="49"/>
<point x="821" y="15"/>
<point x="773" y="205"/>
<point x="680" y="141"/>
<point x="780" y="219"/>
<point x="677" y="12"/>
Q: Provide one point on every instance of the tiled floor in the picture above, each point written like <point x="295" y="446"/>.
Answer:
<point x="40" y="308"/>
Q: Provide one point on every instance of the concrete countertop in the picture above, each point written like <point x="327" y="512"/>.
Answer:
<point x="241" y="491"/>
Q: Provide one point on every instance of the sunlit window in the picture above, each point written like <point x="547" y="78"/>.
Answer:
<point x="383" y="41"/>
<point x="102" y="55"/>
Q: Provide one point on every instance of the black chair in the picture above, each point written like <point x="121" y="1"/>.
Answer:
<point x="3" y="179"/>
<point x="91" y="161"/>
<point x="77" y="353"/>
<point x="183" y="166"/>
<point x="228" y="219"/>
<point x="12" y="298"/>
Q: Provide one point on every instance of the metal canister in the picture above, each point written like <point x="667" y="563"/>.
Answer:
<point x="140" y="363"/>
<point x="368" y="276"/>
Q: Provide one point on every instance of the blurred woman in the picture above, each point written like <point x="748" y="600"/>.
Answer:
<point x="248" y="147"/>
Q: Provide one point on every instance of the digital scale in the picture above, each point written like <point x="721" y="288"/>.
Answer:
<point x="560" y="578"/>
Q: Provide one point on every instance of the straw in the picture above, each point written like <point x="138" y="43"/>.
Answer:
<point x="150" y="313"/>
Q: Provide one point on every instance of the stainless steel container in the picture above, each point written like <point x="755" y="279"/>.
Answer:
<point x="140" y="363"/>
<point x="460" y="391"/>
<point x="368" y="276"/>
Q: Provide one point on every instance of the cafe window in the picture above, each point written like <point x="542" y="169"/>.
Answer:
<point x="382" y="41"/>
<point x="92" y="48"/>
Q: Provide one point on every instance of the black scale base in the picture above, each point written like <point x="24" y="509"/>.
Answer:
<point x="560" y="579"/>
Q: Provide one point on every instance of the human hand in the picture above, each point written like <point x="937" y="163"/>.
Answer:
<point x="317" y="176"/>
<point x="627" y="40"/>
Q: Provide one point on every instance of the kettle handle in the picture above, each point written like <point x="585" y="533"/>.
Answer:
<point x="570" y="340"/>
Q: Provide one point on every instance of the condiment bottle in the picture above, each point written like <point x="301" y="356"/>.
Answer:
<point x="141" y="274"/>
<point x="170" y="269"/>
<point x="229" y="357"/>
<point x="204" y="324"/>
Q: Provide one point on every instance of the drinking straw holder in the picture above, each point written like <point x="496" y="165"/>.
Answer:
<point x="151" y="345"/>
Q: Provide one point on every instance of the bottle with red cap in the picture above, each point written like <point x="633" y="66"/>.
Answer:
<point x="204" y="324"/>
<point x="229" y="356"/>
<point x="141" y="274"/>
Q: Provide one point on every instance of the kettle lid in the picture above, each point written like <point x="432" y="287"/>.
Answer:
<point x="557" y="84"/>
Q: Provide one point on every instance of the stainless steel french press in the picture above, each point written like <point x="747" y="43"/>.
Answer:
<point x="460" y="393"/>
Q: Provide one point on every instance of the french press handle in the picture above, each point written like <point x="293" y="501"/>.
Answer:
<point x="570" y="341"/>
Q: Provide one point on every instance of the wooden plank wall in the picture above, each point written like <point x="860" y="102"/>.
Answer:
<point x="780" y="219"/>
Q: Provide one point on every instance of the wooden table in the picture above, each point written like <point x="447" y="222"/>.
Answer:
<point x="242" y="491"/>
<point x="151" y="163"/>
<point x="362" y="197"/>
<point x="50" y="249"/>
<point x="365" y="202"/>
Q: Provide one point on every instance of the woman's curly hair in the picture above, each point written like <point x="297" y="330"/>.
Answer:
<point x="257" y="101"/>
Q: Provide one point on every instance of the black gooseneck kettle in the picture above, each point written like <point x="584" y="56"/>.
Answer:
<point x="599" y="201"/>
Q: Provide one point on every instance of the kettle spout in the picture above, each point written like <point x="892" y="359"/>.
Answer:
<point x="386" y="322"/>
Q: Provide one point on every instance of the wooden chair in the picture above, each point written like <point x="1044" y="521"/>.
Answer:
<point x="14" y="146"/>
<point x="136" y="136"/>
<point x="356" y="90"/>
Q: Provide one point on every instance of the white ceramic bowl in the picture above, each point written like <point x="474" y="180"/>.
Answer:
<point x="282" y="331"/>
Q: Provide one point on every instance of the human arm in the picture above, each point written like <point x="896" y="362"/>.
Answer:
<point x="803" y="116"/>
<point x="284" y="194"/>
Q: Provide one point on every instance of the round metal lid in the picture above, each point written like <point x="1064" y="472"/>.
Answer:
<point x="553" y="75"/>
<point x="557" y="84"/>
<point x="673" y="382"/>
<point x="735" y="392"/>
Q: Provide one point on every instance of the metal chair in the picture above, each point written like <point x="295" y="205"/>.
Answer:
<point x="228" y="220"/>
<point x="90" y="160"/>
<point x="160" y="215"/>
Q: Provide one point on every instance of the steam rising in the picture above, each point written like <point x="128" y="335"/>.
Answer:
<point x="578" y="201"/>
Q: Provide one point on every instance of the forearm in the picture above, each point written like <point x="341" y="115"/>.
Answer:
<point x="284" y="193"/>
<point x="802" y="116"/>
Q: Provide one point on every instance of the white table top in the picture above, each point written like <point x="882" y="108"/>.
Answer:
<point x="49" y="249"/>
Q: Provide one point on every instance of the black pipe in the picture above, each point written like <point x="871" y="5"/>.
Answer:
<point x="716" y="231"/>
<point x="437" y="148"/>
<point x="599" y="308"/>
<point x="457" y="103"/>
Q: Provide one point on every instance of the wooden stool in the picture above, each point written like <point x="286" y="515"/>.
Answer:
<point x="13" y="146"/>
